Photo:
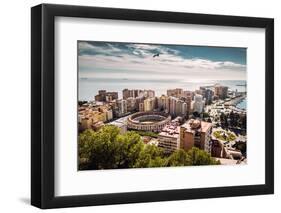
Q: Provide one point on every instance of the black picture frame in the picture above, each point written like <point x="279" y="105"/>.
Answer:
<point x="43" y="102"/>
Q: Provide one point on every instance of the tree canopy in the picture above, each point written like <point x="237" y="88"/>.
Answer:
<point x="108" y="149"/>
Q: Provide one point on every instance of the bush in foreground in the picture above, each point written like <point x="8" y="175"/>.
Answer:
<point x="108" y="149"/>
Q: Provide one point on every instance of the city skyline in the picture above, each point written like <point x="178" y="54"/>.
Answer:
<point x="171" y="129"/>
<point x="156" y="105"/>
<point x="114" y="60"/>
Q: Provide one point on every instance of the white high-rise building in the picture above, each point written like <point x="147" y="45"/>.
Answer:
<point x="149" y="104"/>
<point x="122" y="107"/>
<point x="198" y="104"/>
<point x="164" y="103"/>
<point x="173" y="106"/>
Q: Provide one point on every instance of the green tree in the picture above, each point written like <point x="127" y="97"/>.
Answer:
<point x="129" y="147"/>
<point x="80" y="103"/>
<point x="206" y="115"/>
<point x="243" y="121"/>
<point x="104" y="148"/>
<point x="151" y="156"/>
<point x="158" y="162"/>
<point x="146" y="133"/>
<point x="108" y="149"/>
<point x="223" y="120"/>
<point x="179" y="158"/>
<point x="86" y="140"/>
<point x="200" y="157"/>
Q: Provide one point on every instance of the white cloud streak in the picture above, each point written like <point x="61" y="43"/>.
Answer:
<point x="168" y="64"/>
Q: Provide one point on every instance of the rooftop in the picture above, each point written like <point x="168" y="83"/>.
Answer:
<point x="169" y="134"/>
<point x="192" y="125"/>
<point x="171" y="129"/>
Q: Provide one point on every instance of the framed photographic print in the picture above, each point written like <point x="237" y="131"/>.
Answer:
<point x="139" y="106"/>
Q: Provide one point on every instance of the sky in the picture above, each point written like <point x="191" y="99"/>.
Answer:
<point x="116" y="60"/>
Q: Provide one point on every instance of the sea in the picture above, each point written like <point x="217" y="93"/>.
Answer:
<point x="242" y="105"/>
<point x="88" y="87"/>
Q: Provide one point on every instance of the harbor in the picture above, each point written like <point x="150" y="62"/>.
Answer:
<point x="235" y="101"/>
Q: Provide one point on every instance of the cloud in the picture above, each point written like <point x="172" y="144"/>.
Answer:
<point x="139" y="57"/>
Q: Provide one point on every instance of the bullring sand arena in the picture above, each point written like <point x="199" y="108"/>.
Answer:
<point x="148" y="121"/>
